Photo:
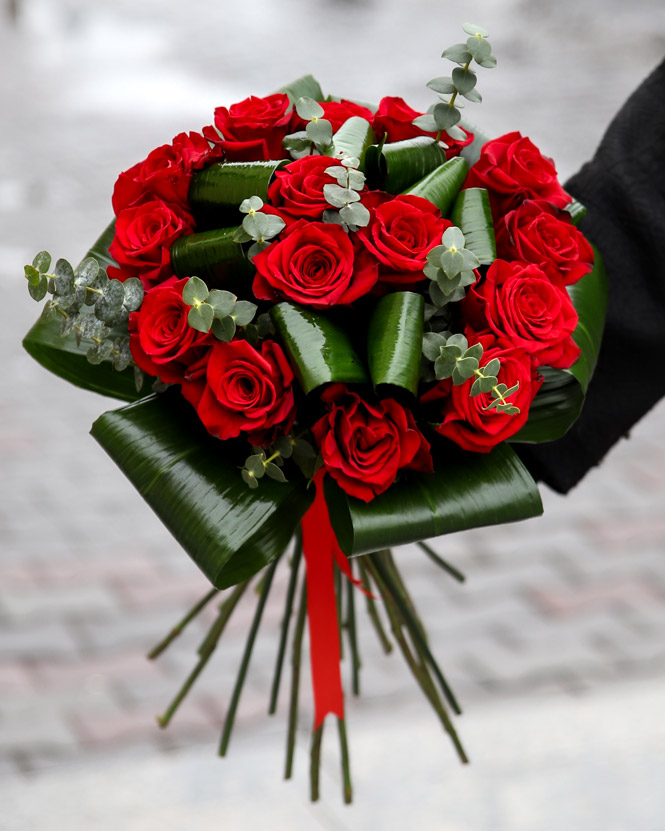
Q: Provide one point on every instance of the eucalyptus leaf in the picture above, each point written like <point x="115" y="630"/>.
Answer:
<point x="224" y="329"/>
<point x="109" y="305"/>
<point x="243" y="312"/>
<point x="432" y="343"/>
<point x="480" y="48"/>
<point x="443" y="85"/>
<point x="100" y="352"/>
<point x="338" y="196"/>
<point x="355" y="214"/>
<point x="426" y="123"/>
<point x="320" y="132"/>
<point x="308" y="108"/>
<point x="200" y="317"/>
<point x="464" y="79"/>
<point x="459" y="53"/>
<point x="195" y="291"/>
<point x="222" y="302"/>
<point x="492" y="367"/>
<point x="42" y="262"/>
<point x="85" y="273"/>
<point x="446" y="115"/>
<point x="472" y="29"/>
<point x="275" y="472"/>
<point x="254" y="203"/>
<point x="39" y="290"/>
<point x="133" y="294"/>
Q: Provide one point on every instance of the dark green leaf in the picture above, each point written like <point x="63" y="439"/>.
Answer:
<point x="446" y="115"/>
<point x="319" y="350"/>
<point x="108" y="306"/>
<point x="213" y="255"/>
<point x="306" y="86"/>
<point x="441" y="186"/>
<point x="473" y="215"/>
<point x="224" y="329"/>
<point x="275" y="472"/>
<point x="467" y="491"/>
<point x="200" y="317"/>
<point x="42" y="262"/>
<point x="38" y="290"/>
<point x="133" y="294"/>
<point x="397" y="166"/>
<point x="395" y="340"/>
<point x="353" y="138"/>
<point x="197" y="491"/>
<point x="464" y="79"/>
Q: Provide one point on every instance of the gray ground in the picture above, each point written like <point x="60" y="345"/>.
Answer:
<point x="555" y="644"/>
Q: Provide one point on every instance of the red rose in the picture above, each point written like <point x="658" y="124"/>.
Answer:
<point x="143" y="239"/>
<point x="256" y="124"/>
<point x="539" y="232"/>
<point x="364" y="446"/>
<point x="513" y="169"/>
<point x="337" y="112"/>
<point x="297" y="190"/>
<point x="314" y="263"/>
<point x="467" y="422"/>
<point x="400" y="234"/>
<point x="239" y="389"/>
<point x="528" y="309"/>
<point x="395" y="117"/>
<point x="165" y="174"/>
<point x="162" y="342"/>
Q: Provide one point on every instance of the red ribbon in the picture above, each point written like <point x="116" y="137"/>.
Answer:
<point x="321" y="550"/>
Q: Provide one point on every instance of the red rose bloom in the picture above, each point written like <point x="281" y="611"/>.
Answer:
<point x="540" y="233"/>
<point x="526" y="308"/>
<point x="513" y="169"/>
<point x="165" y="174"/>
<point x="364" y="446"/>
<point x="143" y="239"/>
<point x="313" y="263"/>
<point x="239" y="389"/>
<point x="253" y="129"/>
<point x="400" y="234"/>
<point x="395" y="117"/>
<point x="297" y="190"/>
<point x="337" y="112"/>
<point x="162" y="342"/>
<point x="465" y="419"/>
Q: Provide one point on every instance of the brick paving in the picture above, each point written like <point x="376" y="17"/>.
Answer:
<point x="89" y="580"/>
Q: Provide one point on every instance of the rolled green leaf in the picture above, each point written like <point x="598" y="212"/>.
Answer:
<point x="305" y="87"/>
<point x="319" y="349"/>
<point x="559" y="401"/>
<point x="471" y="213"/>
<point x="471" y="152"/>
<point x="217" y="191"/>
<point x="353" y="138"/>
<point x="214" y="256"/>
<point x="395" y="340"/>
<point x="195" y="488"/>
<point x="395" y="167"/>
<point x="441" y="186"/>
<point x="468" y="490"/>
<point x="64" y="358"/>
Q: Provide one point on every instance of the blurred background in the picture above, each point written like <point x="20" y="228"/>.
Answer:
<point x="556" y="643"/>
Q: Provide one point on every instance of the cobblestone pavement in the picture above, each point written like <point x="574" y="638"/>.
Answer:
<point x="558" y="607"/>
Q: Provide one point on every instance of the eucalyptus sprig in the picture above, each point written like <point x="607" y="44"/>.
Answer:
<point x="89" y="303"/>
<point x="269" y="463"/>
<point x="462" y="81"/>
<point x="257" y="226"/>
<point x="345" y="195"/>
<point x="318" y="133"/>
<point x="454" y="358"/>
<point x="218" y="310"/>
<point x="450" y="266"/>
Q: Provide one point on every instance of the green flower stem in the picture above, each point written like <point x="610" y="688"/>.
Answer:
<point x="353" y="636"/>
<point x="372" y="610"/>
<point x="242" y="672"/>
<point x="295" y="680"/>
<point x="315" y="763"/>
<point x="205" y="651"/>
<point x="344" y="751"/>
<point x="290" y="593"/>
<point x="226" y="610"/>
<point x="173" y="634"/>
<point x="436" y="558"/>
<point x="413" y="625"/>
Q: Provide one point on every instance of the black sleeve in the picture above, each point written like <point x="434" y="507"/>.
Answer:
<point x="623" y="189"/>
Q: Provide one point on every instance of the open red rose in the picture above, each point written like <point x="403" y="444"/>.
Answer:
<point x="539" y="232"/>
<point x="165" y="174"/>
<point x="143" y="239"/>
<point x="395" y="117"/>
<point x="521" y="305"/>
<point x="400" y="234"/>
<point x="513" y="169"/>
<point x="259" y="124"/>
<point x="162" y="342"/>
<point x="314" y="263"/>
<point x="465" y="419"/>
<point x="364" y="446"/>
<point x="238" y="389"/>
<point x="297" y="190"/>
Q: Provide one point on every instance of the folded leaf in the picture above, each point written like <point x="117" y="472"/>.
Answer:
<point x="395" y="167"/>
<point x="441" y="186"/>
<point x="472" y="214"/>
<point x="305" y="87"/>
<point x="214" y="256"/>
<point x="468" y="490"/>
<point x="395" y="340"/>
<point x="353" y="138"/>
<point x="194" y="486"/>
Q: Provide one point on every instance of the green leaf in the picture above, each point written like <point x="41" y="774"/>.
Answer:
<point x="446" y="115"/>
<point x="85" y="273"/>
<point x="480" y="48"/>
<point x="458" y="53"/>
<point x="320" y="132"/>
<point x="319" y="349"/>
<point x="353" y="138"/>
<point x="473" y="215"/>
<point x="397" y="166"/>
<point x="222" y="302"/>
<point x="275" y="472"/>
<point x="133" y="294"/>
<point x="243" y="312"/>
<point x="488" y="63"/>
<point x="195" y="291"/>
<point x="213" y="255"/>
<point x="432" y="343"/>
<point x="256" y="225"/>
<point x="338" y="196"/>
<point x="194" y="486"/>
<point x="306" y="86"/>
<point x="395" y="340"/>
<point x="200" y="317"/>
<point x="297" y="143"/>
<point x="100" y="352"/>
<point x="468" y="490"/>
<point x="38" y="290"/>
<point x="224" y="329"/>
<point x="443" y="85"/>
<point x="109" y="305"/>
<point x="355" y="214"/>
<point x="42" y="262"/>
<point x="256" y="465"/>
<point x="426" y="123"/>
<point x="441" y="186"/>
<point x="308" y="109"/>
<point x="476" y="98"/>
<point x="464" y="369"/>
<point x="464" y="79"/>
<point x="576" y="210"/>
<point x="217" y="191"/>
<point x="472" y="29"/>
<point x="254" y="203"/>
<point x="560" y="398"/>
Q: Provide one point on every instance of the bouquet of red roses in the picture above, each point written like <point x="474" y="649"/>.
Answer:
<point x="347" y="314"/>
